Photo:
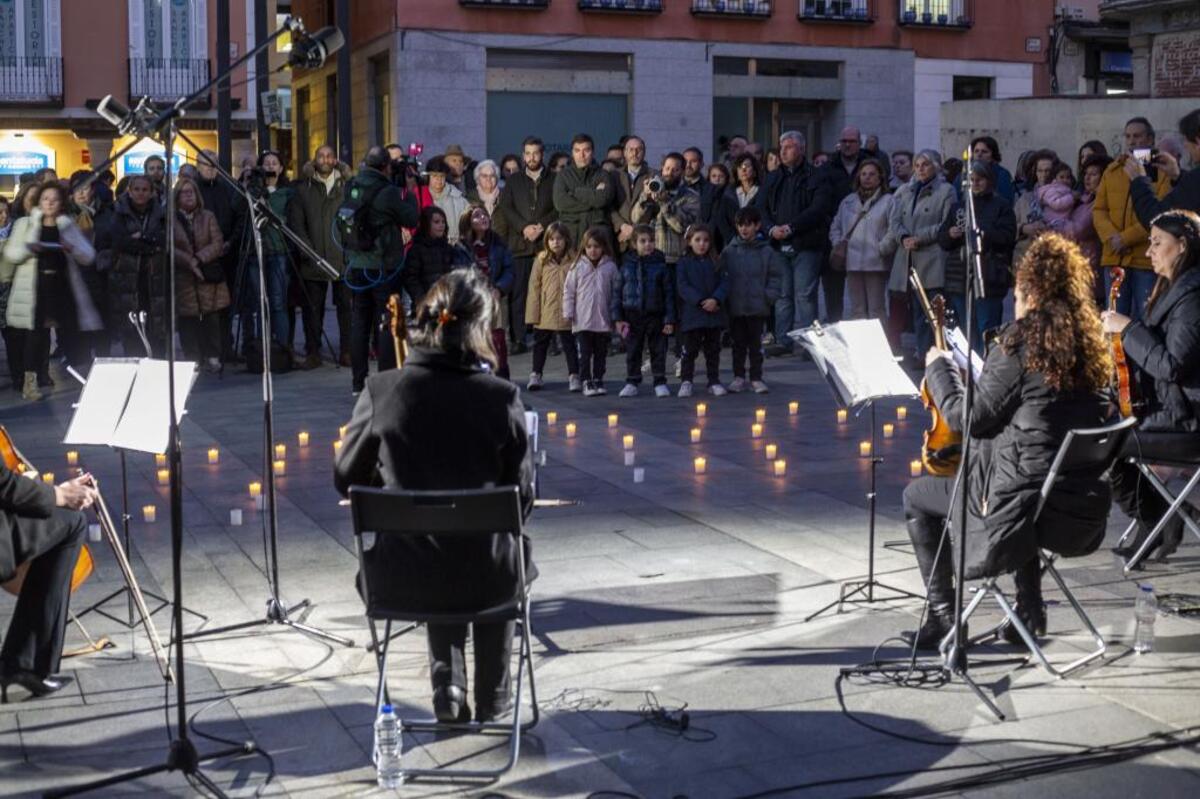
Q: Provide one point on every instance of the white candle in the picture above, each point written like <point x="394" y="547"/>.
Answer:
<point x="570" y="429"/>
<point x="700" y="465"/>
<point x="160" y="459"/>
<point x="901" y="413"/>
<point x="48" y="478"/>
<point x="889" y="430"/>
<point x="771" y="451"/>
<point x="627" y="441"/>
<point x="72" y="458"/>
<point x="256" y="489"/>
<point x="214" y="455"/>
<point x="864" y="449"/>
<point x="280" y="451"/>
<point x="756" y="430"/>
<point x="302" y="438"/>
<point x="337" y="447"/>
<point x="842" y="415"/>
<point x="914" y="468"/>
<point x="552" y="418"/>
<point x="613" y="419"/>
<point x="695" y="435"/>
<point x="280" y="468"/>
<point x="342" y="431"/>
<point x="701" y="410"/>
<point x="793" y="408"/>
<point x="164" y="477"/>
<point x="780" y="467"/>
<point x="149" y="513"/>
<point x="760" y="414"/>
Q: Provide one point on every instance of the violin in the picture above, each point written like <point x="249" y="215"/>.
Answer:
<point x="399" y="329"/>
<point x="1126" y="399"/>
<point x="941" y="447"/>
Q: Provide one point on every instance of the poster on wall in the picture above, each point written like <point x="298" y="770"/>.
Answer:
<point x="18" y="162"/>
<point x="135" y="163"/>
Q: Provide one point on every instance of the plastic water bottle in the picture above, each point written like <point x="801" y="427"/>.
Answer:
<point x="388" y="746"/>
<point x="1145" y="611"/>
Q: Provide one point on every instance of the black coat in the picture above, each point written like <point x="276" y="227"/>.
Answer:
<point x="1186" y="195"/>
<point x="802" y="197"/>
<point x="1165" y="347"/>
<point x="1019" y="422"/>
<point x="439" y="424"/>
<point x="311" y="215"/>
<point x="525" y="202"/>
<point x="25" y="509"/>
<point x="583" y="198"/>
<point x="427" y="260"/>
<point x="998" y="224"/>
<point x="391" y="210"/>
<point x="132" y="248"/>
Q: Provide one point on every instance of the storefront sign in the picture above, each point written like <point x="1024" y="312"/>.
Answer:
<point x="135" y="163"/>
<point x="17" y="162"/>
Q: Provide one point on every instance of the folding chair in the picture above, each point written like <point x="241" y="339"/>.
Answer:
<point x="1094" y="449"/>
<point x="480" y="512"/>
<point x="1146" y="467"/>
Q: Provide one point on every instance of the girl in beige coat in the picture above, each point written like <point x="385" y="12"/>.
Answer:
<point x="543" y="309"/>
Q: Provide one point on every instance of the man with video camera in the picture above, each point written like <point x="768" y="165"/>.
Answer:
<point x="1186" y="192"/>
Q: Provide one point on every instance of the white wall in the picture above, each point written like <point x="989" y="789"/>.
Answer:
<point x="933" y="84"/>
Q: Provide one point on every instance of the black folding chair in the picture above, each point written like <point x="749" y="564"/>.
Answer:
<point x="1095" y="449"/>
<point x="490" y="511"/>
<point x="1175" y="502"/>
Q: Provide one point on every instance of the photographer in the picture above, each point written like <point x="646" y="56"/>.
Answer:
<point x="406" y="175"/>
<point x="1186" y="192"/>
<point x="668" y="206"/>
<point x="373" y="272"/>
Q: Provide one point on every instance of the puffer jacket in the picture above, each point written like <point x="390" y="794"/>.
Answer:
<point x="696" y="280"/>
<point x="427" y="260"/>
<point x="1113" y="214"/>
<point x="1057" y="201"/>
<point x="204" y="245"/>
<point x="923" y="220"/>
<point x="1018" y="424"/>
<point x="755" y="274"/>
<point x="544" y="303"/>
<point x="865" y="252"/>
<point x="133" y="246"/>
<point x="18" y="267"/>
<point x="588" y="293"/>
<point x="583" y="198"/>
<point x="647" y="288"/>
<point x="311" y="214"/>
<point x="1165" y="346"/>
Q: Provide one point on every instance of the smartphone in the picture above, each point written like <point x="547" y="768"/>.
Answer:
<point x="1145" y="155"/>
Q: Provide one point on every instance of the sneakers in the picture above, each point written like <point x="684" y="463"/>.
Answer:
<point x="589" y="389"/>
<point x="661" y="390"/>
<point x="535" y="381"/>
<point x="599" y="388"/>
<point x="759" y="387"/>
<point x="629" y="390"/>
<point x="685" y="389"/>
<point x="574" y="384"/>
<point x="717" y="390"/>
<point x="738" y="385"/>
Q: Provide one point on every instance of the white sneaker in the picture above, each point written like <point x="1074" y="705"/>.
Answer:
<point x="738" y="385"/>
<point x="717" y="390"/>
<point x="629" y="390"/>
<point x="535" y="381"/>
<point x="759" y="387"/>
<point x="574" y="384"/>
<point x="589" y="389"/>
<point x="600" y="389"/>
<point x="685" y="389"/>
<point x="661" y="390"/>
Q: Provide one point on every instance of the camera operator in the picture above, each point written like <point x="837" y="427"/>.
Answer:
<point x="668" y="206"/>
<point x="374" y="274"/>
<point x="1186" y="192"/>
<point x="406" y="176"/>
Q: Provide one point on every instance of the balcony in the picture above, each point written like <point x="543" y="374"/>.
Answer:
<point x="736" y="9"/>
<point x="31" y="81"/>
<point x="515" y="5"/>
<point x="858" y="12"/>
<point x="937" y="14"/>
<point x="622" y="6"/>
<point x="166" y="79"/>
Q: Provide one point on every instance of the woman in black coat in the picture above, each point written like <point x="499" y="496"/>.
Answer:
<point x="1046" y="375"/>
<point x="1164" y="349"/>
<point x="443" y="423"/>
<point x="430" y="255"/>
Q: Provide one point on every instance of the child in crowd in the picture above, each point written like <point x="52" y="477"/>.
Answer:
<point x="702" y="287"/>
<point x="544" y="307"/>
<point x="1057" y="199"/>
<point x="645" y="311"/>
<point x="482" y="248"/>
<point x="588" y="295"/>
<point x="754" y="272"/>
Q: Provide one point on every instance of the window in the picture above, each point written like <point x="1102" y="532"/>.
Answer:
<point x="381" y="99"/>
<point x="972" y="87"/>
<point x="303" y="133"/>
<point x="779" y="68"/>
<point x="727" y="65"/>
<point x="537" y="59"/>
<point x="331" y="112"/>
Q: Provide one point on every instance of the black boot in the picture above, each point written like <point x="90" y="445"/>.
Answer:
<point x="1143" y="532"/>
<point x="1031" y="609"/>
<point x="926" y="533"/>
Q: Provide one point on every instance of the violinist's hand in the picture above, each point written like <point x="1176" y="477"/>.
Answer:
<point x="934" y="353"/>
<point x="1113" y="322"/>
<point x="77" y="494"/>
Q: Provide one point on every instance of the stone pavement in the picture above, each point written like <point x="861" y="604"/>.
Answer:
<point x="682" y="590"/>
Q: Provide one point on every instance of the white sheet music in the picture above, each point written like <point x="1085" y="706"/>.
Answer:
<point x="145" y="425"/>
<point x="857" y="360"/>
<point x="957" y="343"/>
<point x="102" y="402"/>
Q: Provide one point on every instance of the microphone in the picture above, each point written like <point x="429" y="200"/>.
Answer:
<point x="310" y="51"/>
<point x="138" y="120"/>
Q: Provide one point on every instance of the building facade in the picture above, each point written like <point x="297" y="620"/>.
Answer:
<point x="485" y="73"/>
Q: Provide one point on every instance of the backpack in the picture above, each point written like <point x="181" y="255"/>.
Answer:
<point x="352" y="223"/>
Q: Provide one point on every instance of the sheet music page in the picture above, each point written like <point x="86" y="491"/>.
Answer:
<point x="146" y="424"/>
<point x="102" y="402"/>
<point x="857" y="357"/>
<point x="957" y="343"/>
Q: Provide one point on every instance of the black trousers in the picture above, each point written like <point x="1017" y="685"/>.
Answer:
<point x="593" y="355"/>
<point x="35" y="349"/>
<point x="541" y="348"/>
<point x="1134" y="493"/>
<point x="493" y="658"/>
<point x="708" y="341"/>
<point x="368" y="321"/>
<point x="312" y="314"/>
<point x="200" y="337"/>
<point x="35" y="634"/>
<point x="833" y="285"/>
<point x="522" y="266"/>
<point x="747" y="344"/>
<point x="646" y="333"/>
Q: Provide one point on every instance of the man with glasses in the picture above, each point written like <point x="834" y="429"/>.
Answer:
<point x="842" y="169"/>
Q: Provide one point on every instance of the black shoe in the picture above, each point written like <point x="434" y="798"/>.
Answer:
<point x="777" y="351"/>
<point x="1127" y="552"/>
<point x="38" y="686"/>
<point x="519" y="348"/>
<point x="493" y="711"/>
<point x="1032" y="614"/>
<point x="936" y="627"/>
<point x="450" y="705"/>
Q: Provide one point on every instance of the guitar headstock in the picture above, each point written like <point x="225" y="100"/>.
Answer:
<point x="938" y="312"/>
<point x="396" y="311"/>
<point x="1114" y="290"/>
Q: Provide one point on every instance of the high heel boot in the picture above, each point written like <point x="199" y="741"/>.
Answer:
<point x="925" y="532"/>
<point x="1031" y="609"/>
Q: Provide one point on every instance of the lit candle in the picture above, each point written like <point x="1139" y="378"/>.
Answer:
<point x="756" y="430"/>
<point x="695" y="435"/>
<point x="889" y="429"/>
<point x="842" y="415"/>
<point x="342" y="431"/>
<point x="901" y="413"/>
<point x="280" y="451"/>
<point x="280" y="468"/>
<point x="256" y="489"/>
<point x="864" y="449"/>
<point x="214" y="455"/>
<point x="552" y="418"/>
<point x="771" y="451"/>
<point x="793" y="408"/>
<point x="160" y="459"/>
<point x="629" y="457"/>
<point x="570" y="429"/>
<point x="780" y="467"/>
<point x="760" y="414"/>
<point x="700" y="465"/>
<point x="72" y="458"/>
<point x="164" y="477"/>
<point x="149" y="513"/>
<point x="627" y="441"/>
<point x="612" y="420"/>
<point x="302" y="437"/>
<point x="701" y="410"/>
<point x="48" y="478"/>
<point x="914" y="468"/>
<point x="337" y="447"/>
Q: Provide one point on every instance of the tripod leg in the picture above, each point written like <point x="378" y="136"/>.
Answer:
<point x="315" y="633"/>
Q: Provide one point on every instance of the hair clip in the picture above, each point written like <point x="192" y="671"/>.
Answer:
<point x="445" y="316"/>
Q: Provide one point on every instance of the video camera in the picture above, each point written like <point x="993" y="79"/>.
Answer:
<point x="409" y="166"/>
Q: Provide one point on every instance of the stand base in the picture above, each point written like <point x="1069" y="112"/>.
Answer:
<point x="948" y="671"/>
<point x="182" y="757"/>
<point x="129" y="624"/>
<point x="853" y="587"/>
<point x="276" y="614"/>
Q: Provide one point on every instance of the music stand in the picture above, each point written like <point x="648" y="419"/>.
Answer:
<point x="856" y="361"/>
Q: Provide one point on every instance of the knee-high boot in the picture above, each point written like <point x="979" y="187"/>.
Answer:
<point x="938" y="574"/>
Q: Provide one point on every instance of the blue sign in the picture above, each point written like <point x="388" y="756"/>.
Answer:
<point x="135" y="163"/>
<point x="16" y="162"/>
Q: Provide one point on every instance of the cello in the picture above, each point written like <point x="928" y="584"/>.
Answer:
<point x="941" y="447"/>
<point x="1121" y="377"/>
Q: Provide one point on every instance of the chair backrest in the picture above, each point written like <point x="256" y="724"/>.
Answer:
<point x="481" y="511"/>
<point x="1090" y="449"/>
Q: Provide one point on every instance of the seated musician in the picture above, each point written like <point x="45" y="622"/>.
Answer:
<point x="40" y="525"/>
<point x="1046" y="373"/>
<point x="1164" y="349"/>
<point x="443" y="423"/>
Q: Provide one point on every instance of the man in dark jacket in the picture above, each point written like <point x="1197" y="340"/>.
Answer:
<point x="319" y="193"/>
<point x="583" y="192"/>
<point x="1186" y="191"/>
<point x="527" y="206"/>
<point x="630" y="181"/>
<point x="796" y="204"/>
<point x="694" y="178"/>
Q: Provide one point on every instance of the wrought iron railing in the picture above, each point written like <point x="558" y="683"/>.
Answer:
<point x="166" y="78"/>
<point x="937" y="13"/>
<point x="37" y="80"/>
<point x="754" y="9"/>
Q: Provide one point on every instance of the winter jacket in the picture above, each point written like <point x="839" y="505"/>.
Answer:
<point x="754" y="271"/>
<point x="1018" y="423"/>
<point x="18" y="266"/>
<point x="697" y="280"/>
<point x="583" y="198"/>
<point x="453" y="204"/>
<point x="1113" y="213"/>
<point x="1083" y="232"/>
<point x="998" y="225"/>
<point x="923" y="220"/>
<point x="1185" y="194"/>
<point x="194" y="297"/>
<point x="647" y="288"/>
<point x="1004" y="183"/>
<point x="391" y="211"/>
<point x="675" y="213"/>
<point x="800" y="196"/>
<point x="865" y="252"/>
<point x="544" y="303"/>
<point x="588" y="295"/>
<point x="627" y="194"/>
<point x="1165" y="347"/>
<point x="500" y="264"/>
<point x="311" y="216"/>
<point x="427" y="260"/>
<point x="133" y="248"/>
<point x="525" y="202"/>
<point x="280" y="202"/>
<point x="1058" y="202"/>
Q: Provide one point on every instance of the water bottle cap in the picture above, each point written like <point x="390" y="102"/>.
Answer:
<point x="1146" y="587"/>
<point x="385" y="709"/>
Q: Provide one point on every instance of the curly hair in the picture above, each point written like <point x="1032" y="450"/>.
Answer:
<point x="1060" y="332"/>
